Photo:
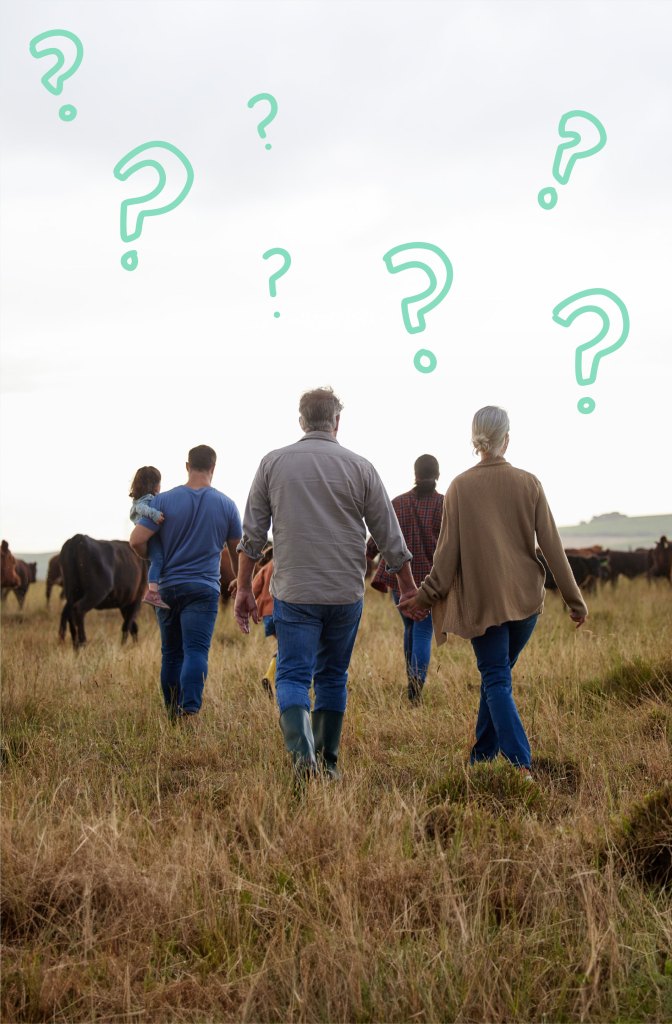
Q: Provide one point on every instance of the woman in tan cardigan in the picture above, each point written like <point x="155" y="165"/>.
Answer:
<point x="486" y="583"/>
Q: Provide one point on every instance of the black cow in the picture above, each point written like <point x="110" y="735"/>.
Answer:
<point x="586" y="571"/>
<point x="100" y="574"/>
<point x="627" y="563"/>
<point x="27" y="574"/>
<point x="661" y="560"/>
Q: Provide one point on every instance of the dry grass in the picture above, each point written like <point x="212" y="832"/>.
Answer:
<point x="150" y="875"/>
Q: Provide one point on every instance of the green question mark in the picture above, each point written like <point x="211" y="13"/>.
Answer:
<point x="283" y="270"/>
<point x="586" y="405"/>
<point x="261" y="127"/>
<point x="67" y="112"/>
<point x="424" y="360"/>
<point x="548" y="197"/>
<point x="123" y="170"/>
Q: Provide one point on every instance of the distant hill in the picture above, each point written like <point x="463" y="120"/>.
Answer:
<point x="622" y="533"/>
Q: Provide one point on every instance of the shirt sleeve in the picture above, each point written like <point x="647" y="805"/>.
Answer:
<point x="383" y="525"/>
<point x="145" y="511"/>
<point x="554" y="553"/>
<point x="446" y="555"/>
<point x="256" y="518"/>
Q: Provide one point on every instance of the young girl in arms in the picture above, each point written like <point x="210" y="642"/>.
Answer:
<point x="147" y="483"/>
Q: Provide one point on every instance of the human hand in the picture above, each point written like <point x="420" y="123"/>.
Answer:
<point x="232" y="587"/>
<point x="244" y="607"/>
<point x="578" y="618"/>
<point x="161" y="518"/>
<point x="410" y="607"/>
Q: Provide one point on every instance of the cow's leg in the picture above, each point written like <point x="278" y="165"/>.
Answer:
<point x="5" y="591"/>
<point x="65" y="618"/>
<point x="129" y="613"/>
<point x="21" y="596"/>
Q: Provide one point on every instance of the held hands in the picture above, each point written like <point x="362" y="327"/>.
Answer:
<point x="409" y="606"/>
<point x="244" y="607"/>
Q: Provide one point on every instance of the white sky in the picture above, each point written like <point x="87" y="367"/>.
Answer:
<point x="397" y="122"/>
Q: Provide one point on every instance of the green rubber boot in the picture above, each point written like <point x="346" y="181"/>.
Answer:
<point x="295" y="725"/>
<point x="327" y="727"/>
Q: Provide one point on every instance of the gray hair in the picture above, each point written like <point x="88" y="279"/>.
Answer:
<point x="489" y="429"/>
<point x="318" y="409"/>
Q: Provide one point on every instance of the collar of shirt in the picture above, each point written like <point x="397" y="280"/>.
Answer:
<point x="318" y="435"/>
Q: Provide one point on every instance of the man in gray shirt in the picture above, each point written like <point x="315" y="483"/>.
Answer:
<point x="321" y="498"/>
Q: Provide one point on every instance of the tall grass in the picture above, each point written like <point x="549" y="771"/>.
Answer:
<point x="150" y="874"/>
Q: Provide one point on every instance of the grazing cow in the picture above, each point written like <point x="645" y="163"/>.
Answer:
<point x="586" y="571"/>
<point x="661" y="560"/>
<point x="8" y="576"/>
<point x="100" y="574"/>
<point x="54" y="577"/>
<point x="627" y="563"/>
<point x="27" y="574"/>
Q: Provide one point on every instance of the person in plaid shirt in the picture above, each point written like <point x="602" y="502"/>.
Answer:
<point x="419" y="513"/>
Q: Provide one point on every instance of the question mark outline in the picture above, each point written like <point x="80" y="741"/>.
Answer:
<point x="416" y="265"/>
<point x="123" y="174"/>
<point x="548" y="197"/>
<point x="57" y="88"/>
<point x="606" y="324"/>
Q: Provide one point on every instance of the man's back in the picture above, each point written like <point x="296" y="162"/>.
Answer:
<point x="199" y="522"/>
<point x="318" y="495"/>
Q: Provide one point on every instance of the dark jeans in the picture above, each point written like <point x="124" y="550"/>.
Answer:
<point x="498" y="727"/>
<point x="315" y="643"/>
<point x="186" y="631"/>
<point x="417" y="643"/>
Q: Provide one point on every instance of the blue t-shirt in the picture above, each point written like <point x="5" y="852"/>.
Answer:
<point x="198" y="524"/>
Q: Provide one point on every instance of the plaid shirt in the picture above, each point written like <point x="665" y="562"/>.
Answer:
<point x="420" y="521"/>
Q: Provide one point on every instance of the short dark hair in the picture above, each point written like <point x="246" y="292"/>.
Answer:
<point x="319" y="408"/>
<point x="202" y="457"/>
<point x="145" y="481"/>
<point x="426" y="467"/>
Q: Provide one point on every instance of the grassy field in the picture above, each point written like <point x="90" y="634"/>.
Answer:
<point x="149" y="874"/>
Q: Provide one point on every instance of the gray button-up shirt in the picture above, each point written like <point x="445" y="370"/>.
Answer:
<point x="319" y="497"/>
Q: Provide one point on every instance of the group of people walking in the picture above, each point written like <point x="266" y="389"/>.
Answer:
<point x="465" y="563"/>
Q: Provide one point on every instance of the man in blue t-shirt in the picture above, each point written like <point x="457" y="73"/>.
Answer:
<point x="199" y="521"/>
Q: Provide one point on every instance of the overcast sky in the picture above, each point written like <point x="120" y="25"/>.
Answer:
<point x="397" y="122"/>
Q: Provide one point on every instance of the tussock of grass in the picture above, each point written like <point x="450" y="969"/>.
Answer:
<point x="158" y="876"/>
<point x="637" y="679"/>
<point x="643" y="839"/>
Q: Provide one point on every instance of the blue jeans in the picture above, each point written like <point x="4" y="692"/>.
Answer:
<point x="155" y="553"/>
<point x="315" y="643"/>
<point x="269" y="626"/>
<point x="417" y="644"/>
<point x="186" y="631"/>
<point x="498" y="727"/>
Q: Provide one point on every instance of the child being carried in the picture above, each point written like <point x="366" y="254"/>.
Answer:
<point x="146" y="484"/>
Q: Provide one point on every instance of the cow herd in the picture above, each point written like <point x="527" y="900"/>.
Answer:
<point x="108" y="574"/>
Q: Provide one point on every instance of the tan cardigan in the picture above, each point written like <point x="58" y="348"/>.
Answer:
<point x="485" y="569"/>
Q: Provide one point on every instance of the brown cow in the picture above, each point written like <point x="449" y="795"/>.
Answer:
<point x="8" y="576"/>
<point x="27" y="574"/>
<point x="100" y="574"/>
<point x="54" y="577"/>
<point x="661" y="560"/>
